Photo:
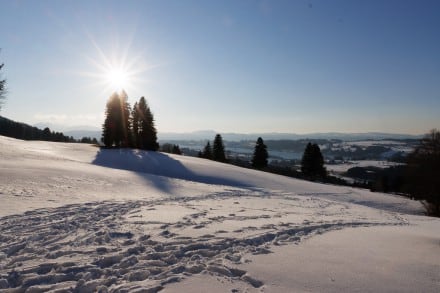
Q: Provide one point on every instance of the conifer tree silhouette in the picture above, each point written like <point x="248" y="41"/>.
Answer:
<point x="207" y="151"/>
<point x="312" y="163"/>
<point x="116" y="127"/>
<point x="259" y="159"/>
<point x="218" y="149"/>
<point x="147" y="130"/>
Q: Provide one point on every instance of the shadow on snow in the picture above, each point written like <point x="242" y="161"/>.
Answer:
<point x="158" y="164"/>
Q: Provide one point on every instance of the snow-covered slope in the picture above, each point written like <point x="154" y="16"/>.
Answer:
<point x="76" y="217"/>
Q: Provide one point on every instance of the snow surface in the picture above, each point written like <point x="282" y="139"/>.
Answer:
<point x="343" y="167"/>
<point x="76" y="218"/>
<point x="395" y="146"/>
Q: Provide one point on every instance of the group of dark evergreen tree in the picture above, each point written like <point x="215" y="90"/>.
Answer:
<point x="170" y="148"/>
<point x="89" y="140"/>
<point x="216" y="152"/>
<point x="126" y="127"/>
<point x="312" y="163"/>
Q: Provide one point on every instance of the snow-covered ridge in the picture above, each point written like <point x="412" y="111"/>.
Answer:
<point x="78" y="218"/>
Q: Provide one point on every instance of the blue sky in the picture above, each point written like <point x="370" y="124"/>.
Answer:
<point x="230" y="66"/>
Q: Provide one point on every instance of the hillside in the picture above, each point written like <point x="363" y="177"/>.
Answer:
<point x="76" y="217"/>
<point x="11" y="128"/>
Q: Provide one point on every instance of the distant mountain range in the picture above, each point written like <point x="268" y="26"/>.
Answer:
<point x="95" y="132"/>
<point x="209" y="134"/>
<point x="77" y="132"/>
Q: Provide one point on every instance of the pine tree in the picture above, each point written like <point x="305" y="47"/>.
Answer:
<point x="125" y="120"/>
<point x="2" y="88"/>
<point x="207" y="151"/>
<point x="318" y="166"/>
<point x="259" y="159"/>
<point x="109" y="126"/>
<point x="218" y="149"/>
<point x="135" y="121"/>
<point x="116" y="127"/>
<point x="306" y="161"/>
<point x="312" y="163"/>
<point x="147" y="130"/>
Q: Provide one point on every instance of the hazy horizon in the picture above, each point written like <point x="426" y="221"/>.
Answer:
<point x="232" y="66"/>
<point x="209" y="133"/>
<point x="88" y="127"/>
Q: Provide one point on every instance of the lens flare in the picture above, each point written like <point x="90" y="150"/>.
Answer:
<point x="115" y="67"/>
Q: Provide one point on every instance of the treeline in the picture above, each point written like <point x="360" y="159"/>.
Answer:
<point x="170" y="148"/>
<point x="216" y="152"/>
<point x="336" y="149"/>
<point x="312" y="163"/>
<point x="24" y="131"/>
<point x="88" y="140"/>
<point x="129" y="127"/>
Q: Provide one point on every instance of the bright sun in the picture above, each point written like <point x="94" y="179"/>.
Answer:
<point x="118" y="79"/>
<point x="116" y="71"/>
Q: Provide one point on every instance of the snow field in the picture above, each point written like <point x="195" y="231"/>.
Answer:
<point x="74" y="218"/>
<point x="120" y="246"/>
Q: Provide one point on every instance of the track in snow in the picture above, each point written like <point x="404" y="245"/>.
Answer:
<point x="144" y="245"/>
